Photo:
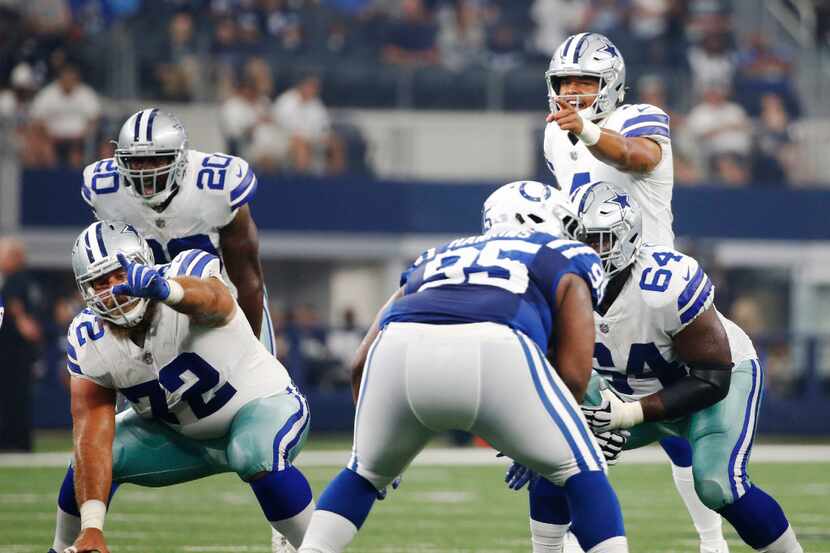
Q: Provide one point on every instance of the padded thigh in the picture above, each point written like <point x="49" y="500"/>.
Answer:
<point x="148" y="453"/>
<point x="264" y="431"/>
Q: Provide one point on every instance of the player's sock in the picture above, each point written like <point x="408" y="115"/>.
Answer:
<point x="549" y="516"/>
<point x="707" y="522"/>
<point x="68" y="518"/>
<point x="611" y="545"/>
<point x="285" y="499"/>
<point x="760" y="522"/>
<point x="341" y="511"/>
<point x="595" y="511"/>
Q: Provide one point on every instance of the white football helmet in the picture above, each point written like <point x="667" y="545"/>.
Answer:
<point x="612" y="225"/>
<point x="588" y="55"/>
<point x="94" y="255"/>
<point x="529" y="205"/>
<point x="151" y="133"/>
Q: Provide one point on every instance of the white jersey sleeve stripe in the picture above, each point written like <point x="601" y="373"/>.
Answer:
<point x="701" y="303"/>
<point x="651" y="130"/>
<point x="582" y="250"/>
<point x="652" y="118"/>
<point x="639" y="126"/>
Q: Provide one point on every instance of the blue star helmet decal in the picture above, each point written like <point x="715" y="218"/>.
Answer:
<point x="621" y="200"/>
<point x="610" y="50"/>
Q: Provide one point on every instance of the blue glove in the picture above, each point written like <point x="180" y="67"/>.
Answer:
<point x="143" y="281"/>
<point x="518" y="475"/>
<point x="383" y="492"/>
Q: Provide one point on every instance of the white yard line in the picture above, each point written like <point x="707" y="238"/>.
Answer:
<point x="468" y="457"/>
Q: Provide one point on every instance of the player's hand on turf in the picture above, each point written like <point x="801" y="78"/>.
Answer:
<point x="612" y="443"/>
<point x="611" y="414"/>
<point x="518" y="475"/>
<point x="566" y="117"/>
<point x="382" y="493"/>
<point x="143" y="281"/>
<point x="90" y="540"/>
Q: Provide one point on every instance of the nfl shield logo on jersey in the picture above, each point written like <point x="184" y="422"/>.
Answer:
<point x="604" y="328"/>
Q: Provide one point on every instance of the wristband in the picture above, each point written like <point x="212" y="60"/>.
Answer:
<point x="93" y="512"/>
<point x="590" y="132"/>
<point x="631" y="414"/>
<point x="176" y="293"/>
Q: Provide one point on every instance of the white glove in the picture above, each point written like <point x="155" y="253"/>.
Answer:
<point x="611" y="444"/>
<point x="612" y="413"/>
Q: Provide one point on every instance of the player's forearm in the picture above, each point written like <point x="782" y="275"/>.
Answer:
<point x="205" y="300"/>
<point x="702" y="388"/>
<point x="93" y="436"/>
<point x="251" y="300"/>
<point x="624" y="154"/>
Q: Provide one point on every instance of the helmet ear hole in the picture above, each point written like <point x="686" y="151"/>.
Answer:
<point x="520" y="219"/>
<point x="535" y="218"/>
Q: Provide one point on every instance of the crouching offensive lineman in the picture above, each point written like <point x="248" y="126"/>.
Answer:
<point x="206" y="396"/>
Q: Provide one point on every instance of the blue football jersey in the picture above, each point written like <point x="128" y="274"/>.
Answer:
<point x="508" y="278"/>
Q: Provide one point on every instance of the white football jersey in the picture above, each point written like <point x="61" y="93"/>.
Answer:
<point x="213" y="188"/>
<point x="575" y="166"/>
<point x="665" y="292"/>
<point x="194" y="378"/>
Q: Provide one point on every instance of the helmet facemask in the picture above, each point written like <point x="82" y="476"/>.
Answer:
<point x="609" y="243"/>
<point x="599" y="106"/>
<point x="127" y="311"/>
<point x="153" y="185"/>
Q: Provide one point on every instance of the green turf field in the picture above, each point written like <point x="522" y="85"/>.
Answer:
<point x="437" y="509"/>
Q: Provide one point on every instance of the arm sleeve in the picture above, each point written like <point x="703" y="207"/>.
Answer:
<point x="427" y="255"/>
<point x="561" y="257"/>
<point x="647" y="121"/>
<point x="83" y="360"/>
<point x="195" y="263"/>
<point x="241" y="186"/>
<point x="689" y="293"/>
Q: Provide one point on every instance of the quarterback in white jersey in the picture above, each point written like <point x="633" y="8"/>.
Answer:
<point x="592" y="136"/>
<point x="206" y="396"/>
<point x="180" y="199"/>
<point x="668" y="364"/>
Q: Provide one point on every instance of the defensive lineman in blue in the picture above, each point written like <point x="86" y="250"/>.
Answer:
<point x="205" y="395"/>
<point x="461" y="345"/>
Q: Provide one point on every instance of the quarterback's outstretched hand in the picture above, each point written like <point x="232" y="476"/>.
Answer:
<point x="611" y="444"/>
<point x="567" y="117"/>
<point x="90" y="540"/>
<point x="143" y="281"/>
<point x="518" y="475"/>
<point x="384" y="492"/>
<point x="612" y="413"/>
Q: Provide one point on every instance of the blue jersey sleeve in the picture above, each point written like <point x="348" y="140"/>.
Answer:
<point x="426" y="256"/>
<point x="560" y="257"/>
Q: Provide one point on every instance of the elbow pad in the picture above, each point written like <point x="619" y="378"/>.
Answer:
<point x="705" y="385"/>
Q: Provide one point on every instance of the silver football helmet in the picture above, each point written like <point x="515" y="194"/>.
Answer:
<point x="529" y="205"/>
<point x="588" y="55"/>
<point x="150" y="133"/>
<point x="94" y="255"/>
<point x="612" y="225"/>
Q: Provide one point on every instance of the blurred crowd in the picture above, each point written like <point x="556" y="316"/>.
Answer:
<point x="277" y="66"/>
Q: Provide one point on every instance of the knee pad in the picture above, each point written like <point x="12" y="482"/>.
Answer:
<point x="714" y="492"/>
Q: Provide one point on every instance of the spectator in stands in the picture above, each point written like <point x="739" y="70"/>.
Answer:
<point x="411" y="39"/>
<point x="179" y="73"/>
<point x="763" y="69"/>
<point x="342" y="342"/>
<point x="720" y="126"/>
<point x="462" y="33"/>
<point x="554" y="20"/>
<point x="605" y="16"/>
<point x="712" y="60"/>
<point x="774" y="152"/>
<point x="249" y="131"/>
<point x="20" y="339"/>
<point x="26" y="140"/>
<point x="313" y="147"/>
<point x="67" y="113"/>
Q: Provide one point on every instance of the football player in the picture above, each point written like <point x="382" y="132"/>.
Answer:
<point x="460" y="346"/>
<point x="593" y="136"/>
<point x="667" y="363"/>
<point x="205" y="395"/>
<point x="179" y="199"/>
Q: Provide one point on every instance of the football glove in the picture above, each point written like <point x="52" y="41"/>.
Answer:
<point x="611" y="444"/>
<point x="143" y="281"/>
<point x="518" y="475"/>
<point x="382" y="493"/>
<point x="612" y="413"/>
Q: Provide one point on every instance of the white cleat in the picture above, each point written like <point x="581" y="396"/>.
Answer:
<point x="279" y="543"/>
<point x="714" y="547"/>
